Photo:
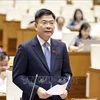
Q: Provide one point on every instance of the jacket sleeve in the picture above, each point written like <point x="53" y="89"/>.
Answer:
<point x="19" y="72"/>
<point x="66" y="69"/>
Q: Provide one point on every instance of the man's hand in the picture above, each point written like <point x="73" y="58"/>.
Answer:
<point x="64" y="95"/>
<point x="42" y="93"/>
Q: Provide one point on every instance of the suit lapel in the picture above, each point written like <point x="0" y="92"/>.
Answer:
<point x="53" y="53"/>
<point x="38" y="50"/>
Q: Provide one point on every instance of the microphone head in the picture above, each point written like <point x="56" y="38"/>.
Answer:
<point x="36" y="75"/>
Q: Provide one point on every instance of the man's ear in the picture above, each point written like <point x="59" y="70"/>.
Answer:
<point x="35" y="25"/>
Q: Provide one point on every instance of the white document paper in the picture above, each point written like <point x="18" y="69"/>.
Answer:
<point x="58" y="89"/>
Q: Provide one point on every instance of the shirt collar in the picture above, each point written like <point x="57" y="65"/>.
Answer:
<point x="41" y="41"/>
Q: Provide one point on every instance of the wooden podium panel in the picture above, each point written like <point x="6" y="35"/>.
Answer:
<point x="80" y="63"/>
<point x="1" y="44"/>
<point x="68" y="1"/>
<point x="24" y="35"/>
<point x="2" y="96"/>
<point x="2" y="19"/>
<point x="78" y="87"/>
<point x="96" y="2"/>
<point x="10" y="30"/>
<point x="94" y="91"/>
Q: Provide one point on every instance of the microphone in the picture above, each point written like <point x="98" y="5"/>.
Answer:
<point x="33" y="86"/>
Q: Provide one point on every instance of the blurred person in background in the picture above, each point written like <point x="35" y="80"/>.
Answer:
<point x="84" y="34"/>
<point x="4" y="58"/>
<point x="60" y="28"/>
<point x="77" y="20"/>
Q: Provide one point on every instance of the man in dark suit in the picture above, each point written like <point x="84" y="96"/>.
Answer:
<point x="43" y="56"/>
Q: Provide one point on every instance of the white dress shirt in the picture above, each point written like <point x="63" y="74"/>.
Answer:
<point x="41" y="41"/>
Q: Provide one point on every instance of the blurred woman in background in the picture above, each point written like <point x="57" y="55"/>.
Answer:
<point x="84" y="34"/>
<point x="77" y="20"/>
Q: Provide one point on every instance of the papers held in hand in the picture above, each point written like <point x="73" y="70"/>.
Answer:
<point x="58" y="89"/>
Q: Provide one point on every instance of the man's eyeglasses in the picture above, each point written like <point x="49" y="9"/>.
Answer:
<point x="45" y="23"/>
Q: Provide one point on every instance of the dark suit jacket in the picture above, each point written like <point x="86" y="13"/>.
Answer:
<point x="30" y="60"/>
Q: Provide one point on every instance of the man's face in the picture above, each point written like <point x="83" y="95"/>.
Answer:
<point x="4" y="63"/>
<point x="45" y="26"/>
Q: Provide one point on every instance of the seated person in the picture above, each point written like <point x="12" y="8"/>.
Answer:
<point x="59" y="28"/>
<point x="4" y="58"/>
<point x="84" y="33"/>
<point x="77" y="20"/>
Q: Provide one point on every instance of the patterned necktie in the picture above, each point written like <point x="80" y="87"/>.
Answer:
<point x="47" y="54"/>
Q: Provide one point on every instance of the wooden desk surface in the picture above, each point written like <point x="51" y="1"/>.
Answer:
<point x="96" y="2"/>
<point x="2" y="96"/>
<point x="94" y="70"/>
<point x="80" y="63"/>
<point x="24" y="35"/>
<point x="94" y="87"/>
<point x="10" y="29"/>
<point x="2" y="18"/>
<point x="78" y="87"/>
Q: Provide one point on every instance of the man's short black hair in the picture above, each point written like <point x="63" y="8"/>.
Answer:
<point x="42" y="12"/>
<point x="3" y="55"/>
